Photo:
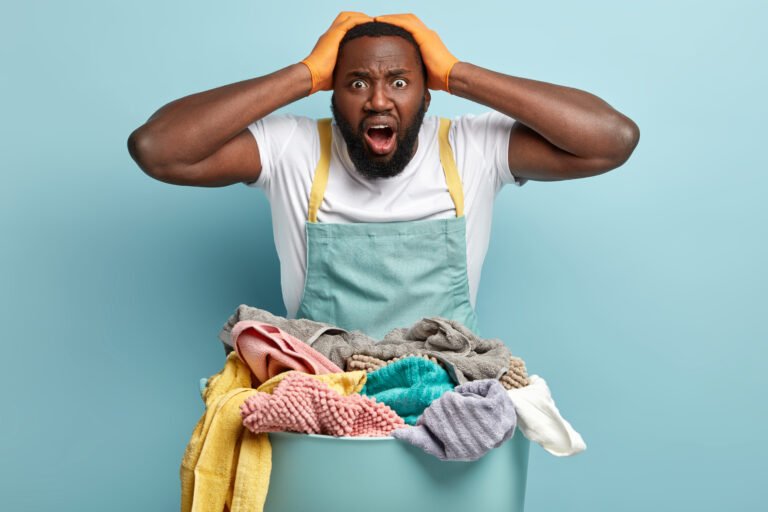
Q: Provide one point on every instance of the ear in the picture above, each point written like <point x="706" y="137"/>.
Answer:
<point x="427" y="99"/>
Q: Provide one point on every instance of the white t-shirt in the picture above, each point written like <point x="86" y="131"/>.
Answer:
<point x="290" y="148"/>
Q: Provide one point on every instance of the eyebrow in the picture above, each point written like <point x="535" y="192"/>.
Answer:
<point x="391" y="72"/>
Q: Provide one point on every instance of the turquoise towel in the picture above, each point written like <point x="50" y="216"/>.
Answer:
<point x="408" y="386"/>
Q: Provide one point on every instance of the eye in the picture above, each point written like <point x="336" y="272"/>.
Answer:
<point x="359" y="84"/>
<point x="399" y="83"/>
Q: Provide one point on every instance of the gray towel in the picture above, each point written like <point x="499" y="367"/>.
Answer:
<point x="303" y="329"/>
<point x="465" y="356"/>
<point x="464" y="424"/>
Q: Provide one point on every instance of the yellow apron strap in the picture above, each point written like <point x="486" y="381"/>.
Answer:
<point x="449" y="167"/>
<point x="320" y="180"/>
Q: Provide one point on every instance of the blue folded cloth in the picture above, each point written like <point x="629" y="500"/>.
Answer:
<point x="408" y="386"/>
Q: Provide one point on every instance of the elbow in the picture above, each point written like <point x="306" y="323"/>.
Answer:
<point x="626" y="137"/>
<point x="144" y="149"/>
<point x="140" y="148"/>
<point x="621" y="141"/>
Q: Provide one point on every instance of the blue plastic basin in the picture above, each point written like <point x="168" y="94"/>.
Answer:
<point x="314" y="473"/>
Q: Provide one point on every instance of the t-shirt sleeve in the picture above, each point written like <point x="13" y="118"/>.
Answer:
<point x="488" y="134"/>
<point x="273" y="135"/>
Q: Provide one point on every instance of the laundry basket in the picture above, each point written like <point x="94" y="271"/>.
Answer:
<point x="315" y="473"/>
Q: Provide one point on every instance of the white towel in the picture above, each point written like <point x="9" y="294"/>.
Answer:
<point x="540" y="421"/>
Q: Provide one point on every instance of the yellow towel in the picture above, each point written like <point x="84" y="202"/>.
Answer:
<point x="224" y="463"/>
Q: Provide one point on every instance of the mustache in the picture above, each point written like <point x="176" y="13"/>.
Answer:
<point x="407" y="138"/>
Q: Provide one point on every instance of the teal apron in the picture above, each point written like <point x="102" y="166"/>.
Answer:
<point x="375" y="277"/>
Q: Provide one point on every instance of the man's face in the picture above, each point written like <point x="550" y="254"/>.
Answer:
<point x="379" y="100"/>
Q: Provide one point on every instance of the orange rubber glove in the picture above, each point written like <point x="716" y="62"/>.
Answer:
<point x="437" y="58"/>
<point x="322" y="60"/>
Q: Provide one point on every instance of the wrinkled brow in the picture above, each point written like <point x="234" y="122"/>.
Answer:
<point x="390" y="72"/>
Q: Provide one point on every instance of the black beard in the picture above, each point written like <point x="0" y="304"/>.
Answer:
<point x="358" y="153"/>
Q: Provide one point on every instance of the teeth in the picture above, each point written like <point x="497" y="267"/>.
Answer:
<point x="377" y="126"/>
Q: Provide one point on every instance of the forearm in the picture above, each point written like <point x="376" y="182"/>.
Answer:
<point x="192" y="128"/>
<point x="573" y="120"/>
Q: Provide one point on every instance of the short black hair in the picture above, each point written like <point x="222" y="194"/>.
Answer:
<point x="380" y="29"/>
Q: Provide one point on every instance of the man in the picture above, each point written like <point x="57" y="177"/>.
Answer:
<point x="383" y="217"/>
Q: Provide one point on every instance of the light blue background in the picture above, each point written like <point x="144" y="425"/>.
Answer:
<point x="639" y="295"/>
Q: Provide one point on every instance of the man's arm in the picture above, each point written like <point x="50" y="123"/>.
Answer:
<point x="203" y="139"/>
<point x="560" y="133"/>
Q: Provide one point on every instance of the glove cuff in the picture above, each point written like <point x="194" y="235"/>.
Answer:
<point x="314" y="75"/>
<point x="448" y="77"/>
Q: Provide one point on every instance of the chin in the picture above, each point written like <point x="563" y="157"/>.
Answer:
<point x="381" y="158"/>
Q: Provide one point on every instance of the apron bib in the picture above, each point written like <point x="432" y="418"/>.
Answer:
<point x="374" y="277"/>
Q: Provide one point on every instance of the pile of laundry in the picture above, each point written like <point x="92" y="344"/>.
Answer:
<point x="435" y="385"/>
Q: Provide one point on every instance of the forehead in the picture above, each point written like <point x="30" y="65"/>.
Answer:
<point x="372" y="53"/>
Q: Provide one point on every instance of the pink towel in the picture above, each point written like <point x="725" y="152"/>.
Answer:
<point x="303" y="404"/>
<point x="268" y="350"/>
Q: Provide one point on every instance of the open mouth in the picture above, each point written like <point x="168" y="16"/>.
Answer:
<point x="380" y="139"/>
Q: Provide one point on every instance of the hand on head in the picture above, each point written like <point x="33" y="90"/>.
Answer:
<point x="322" y="60"/>
<point x="438" y="60"/>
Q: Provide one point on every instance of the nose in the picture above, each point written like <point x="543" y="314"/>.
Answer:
<point x="379" y="99"/>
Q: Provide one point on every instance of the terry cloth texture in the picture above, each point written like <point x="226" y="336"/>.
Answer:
<point x="224" y="464"/>
<point x="370" y="364"/>
<point x="347" y="383"/>
<point x="465" y="355"/>
<point x="206" y="468"/>
<point x="408" y="386"/>
<point x="268" y="350"/>
<point x="305" y="330"/>
<point x="302" y="404"/>
<point x="540" y="421"/>
<point x="517" y="376"/>
<point x="464" y="424"/>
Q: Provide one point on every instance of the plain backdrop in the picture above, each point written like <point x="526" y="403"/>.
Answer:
<point x="640" y="295"/>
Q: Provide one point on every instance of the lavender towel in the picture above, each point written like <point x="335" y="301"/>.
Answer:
<point x="464" y="424"/>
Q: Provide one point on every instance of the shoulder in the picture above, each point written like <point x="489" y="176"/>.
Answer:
<point x="482" y="141"/>
<point x="287" y="144"/>
<point x="486" y="135"/>
<point x="485" y="125"/>
<point x="283" y="126"/>
<point x="275" y="133"/>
